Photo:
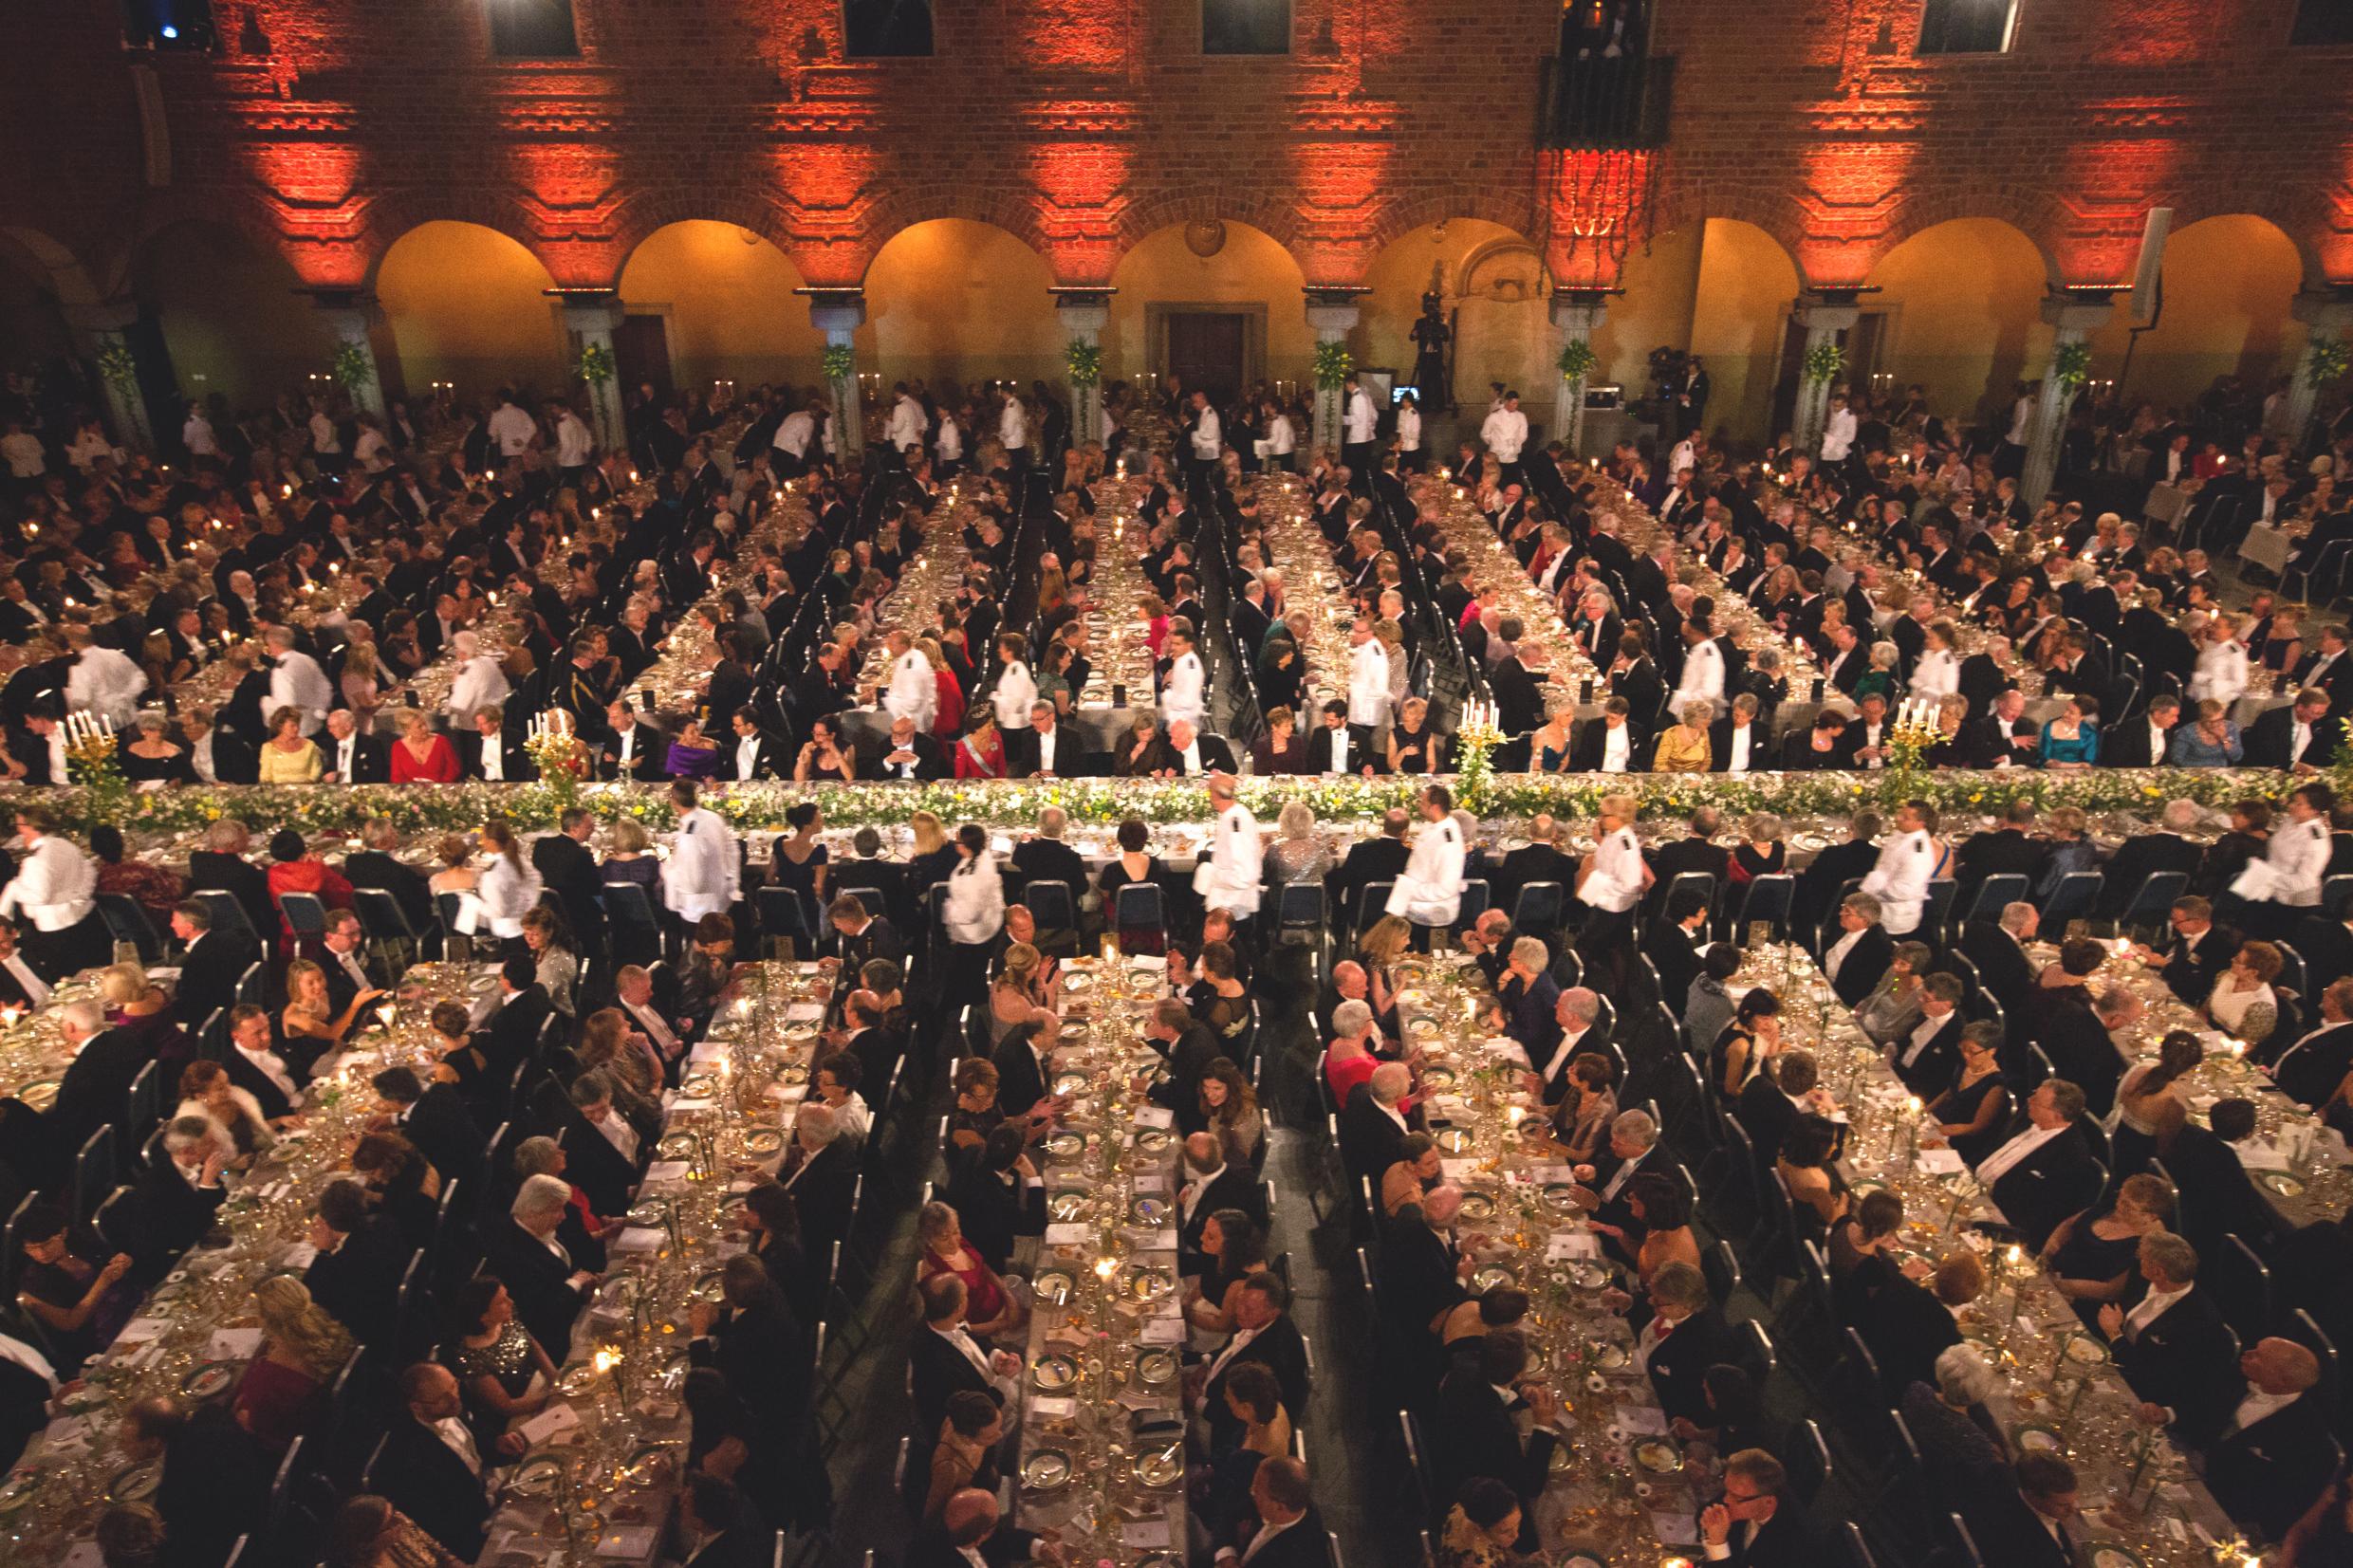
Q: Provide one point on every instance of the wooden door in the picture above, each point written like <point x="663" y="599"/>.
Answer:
<point x="1205" y="352"/>
<point x="641" y="354"/>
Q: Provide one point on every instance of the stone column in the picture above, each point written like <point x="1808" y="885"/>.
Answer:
<point x="1333" y="313"/>
<point x="2075" y="316"/>
<point x="1083" y="314"/>
<point x="591" y="319"/>
<point x="351" y="316"/>
<point x="838" y="313"/>
<point x="1576" y="316"/>
<point x="1823" y="325"/>
<point x="105" y="328"/>
<point x="2324" y="317"/>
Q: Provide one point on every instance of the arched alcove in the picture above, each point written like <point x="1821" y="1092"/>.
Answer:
<point x="1962" y="307"/>
<point x="1216" y="293"/>
<point x="33" y="329"/>
<point x="1747" y="283"/>
<point x="956" y="301"/>
<point x="2229" y="283"/>
<point x="232" y="320"/>
<point x="468" y="304"/>
<point x="724" y="301"/>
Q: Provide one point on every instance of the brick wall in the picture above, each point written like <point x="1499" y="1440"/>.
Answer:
<point x="325" y="128"/>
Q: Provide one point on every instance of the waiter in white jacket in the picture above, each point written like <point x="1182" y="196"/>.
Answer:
<point x="973" y="912"/>
<point x="1703" y="670"/>
<point x="1228" y="880"/>
<point x="1908" y="861"/>
<point x="1368" y="688"/>
<point x="1360" y="426"/>
<point x="1016" y="689"/>
<point x="1182" y="696"/>
<point x="1430" y="892"/>
<point x="2293" y="864"/>
<point x="1609" y="884"/>
<point x="54" y="893"/>
<point x="914" y="691"/>
<point x="701" y="877"/>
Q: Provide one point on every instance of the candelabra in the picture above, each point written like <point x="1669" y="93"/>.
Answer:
<point x="1476" y="739"/>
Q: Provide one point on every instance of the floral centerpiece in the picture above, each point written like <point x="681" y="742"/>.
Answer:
<point x="557" y="750"/>
<point x="1476" y="739"/>
<point x="1909" y="734"/>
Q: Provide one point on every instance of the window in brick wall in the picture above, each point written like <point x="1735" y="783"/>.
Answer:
<point x="533" y="30"/>
<point x="1246" y="26"/>
<point x="1968" y="27"/>
<point x="2324" y="22"/>
<point x="881" y="28"/>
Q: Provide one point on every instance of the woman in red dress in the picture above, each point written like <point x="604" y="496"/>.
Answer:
<point x="990" y="1310"/>
<point x="981" y="753"/>
<point x="420" y="756"/>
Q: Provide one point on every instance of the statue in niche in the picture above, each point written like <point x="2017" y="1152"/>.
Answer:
<point x="1430" y="337"/>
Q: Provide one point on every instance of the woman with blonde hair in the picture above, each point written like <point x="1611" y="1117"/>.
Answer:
<point x="628" y="860"/>
<point x="136" y="1005"/>
<point x="363" y="691"/>
<point x="302" y="1350"/>
<point x="456" y="874"/>
<point x="205" y="1090"/>
<point x="1298" y="854"/>
<point x="1022" y="995"/>
<point x="309" y="1016"/>
<point x="1683" y="745"/>
<point x="933" y="856"/>
<point x="1380" y="950"/>
<point x="287" y="757"/>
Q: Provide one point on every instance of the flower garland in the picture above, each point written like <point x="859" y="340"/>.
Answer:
<point x="1084" y="360"/>
<point x="840" y="362"/>
<point x="354" y="364"/>
<point x="118" y="365"/>
<point x="1332" y="364"/>
<point x="595" y="363"/>
<point x="1578" y="360"/>
<point x="415" y="808"/>
<point x="1823" y="362"/>
<point x="2071" y="366"/>
<point x="2330" y="358"/>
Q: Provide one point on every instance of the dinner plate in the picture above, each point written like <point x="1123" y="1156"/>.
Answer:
<point x="577" y="1380"/>
<point x="1560" y="1197"/>
<point x="794" y="1075"/>
<point x="1151" y="1212"/>
<point x="1067" y="1205"/>
<point x="1658" y="1456"/>
<point x="210" y="1381"/>
<point x="1438" y="1080"/>
<point x="1488" y="1278"/>
<point x="650" y="1466"/>
<point x="710" y="1287"/>
<point x="1078" y="983"/>
<point x="1587" y="1274"/>
<point x="2112" y="1554"/>
<point x="1151" y="1140"/>
<point x="1156" y="1366"/>
<point x="2084" y="1350"/>
<point x="1071" y="1083"/>
<point x="2282" y="1183"/>
<point x="697" y="1086"/>
<point x="1478" y="1205"/>
<point x="1053" y="1287"/>
<point x="2028" y="1437"/>
<point x="651" y="1212"/>
<point x="1065" y="1143"/>
<point x="1423" y="1029"/>
<point x="677" y="1146"/>
<point x="1147" y="1282"/>
<point x="1047" y="1470"/>
<point x="39" y="1095"/>
<point x="1054" y="1373"/>
<point x="1609" y="1358"/>
<point x="536" y="1476"/>
<point x="135" y="1484"/>
<point x="1561" y="1458"/>
<point x="1160" y="1468"/>
<point x="1452" y="1140"/>
<point x="760" y="1142"/>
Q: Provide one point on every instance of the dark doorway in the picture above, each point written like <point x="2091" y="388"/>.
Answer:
<point x="1862" y="343"/>
<point x="158" y="383"/>
<point x="641" y="354"/>
<point x="1205" y="351"/>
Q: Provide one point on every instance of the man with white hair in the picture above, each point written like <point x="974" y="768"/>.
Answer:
<point x="1575" y="1013"/>
<point x="296" y="681"/>
<point x="55" y="892"/>
<point x="92" y="1092"/>
<point x="478" y="683"/>
<point x="182" y="1196"/>
<point x="2144" y="855"/>
<point x="821" y="1174"/>
<point x="548" y="1286"/>
<point x="1228" y="877"/>
<point x="1047" y="859"/>
<point x="913" y="690"/>
<point x="1371" y="1128"/>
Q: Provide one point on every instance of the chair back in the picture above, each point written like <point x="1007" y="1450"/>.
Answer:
<point x="2153" y="900"/>
<point x="1536" y="907"/>
<point x="1139" y="906"/>
<point x="2074" y="898"/>
<point x="306" y="913"/>
<point x="227" y="914"/>
<point x="129" y="923"/>
<point x="1769" y="899"/>
<point x="380" y="916"/>
<point x="94" y="1171"/>
<point x="1052" y="905"/>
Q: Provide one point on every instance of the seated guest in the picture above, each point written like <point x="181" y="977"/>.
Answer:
<point x="302" y="1350"/>
<point x="2045" y="1171"/>
<point x="213" y="1480"/>
<point x="309" y="1028"/>
<point x="1822" y="748"/>
<point x="153" y="888"/>
<point x="1473" y="1434"/>
<point x="1752" y="1525"/>
<point x="549" y="1285"/>
<point x="361" y="1257"/>
<point x="1263" y="1333"/>
<point x="180" y="1198"/>
<point x="401" y="1183"/>
<point x="1686" y="1336"/>
<point x="2242" y="1003"/>
<point x="2273" y="1452"/>
<point x="1975" y="1107"/>
<point x="1892" y="1011"/>
<point x="206" y="1090"/>
<point x="1855" y="961"/>
<point x="500" y="1367"/>
<point x="79" y="1302"/>
<point x="2173" y="1345"/>
<point x="1959" y="1440"/>
<point x="2212" y="741"/>
<point x="438" y="1466"/>
<point x="295" y="869"/>
<point x="1287" y="1532"/>
<point x="992" y="1312"/>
